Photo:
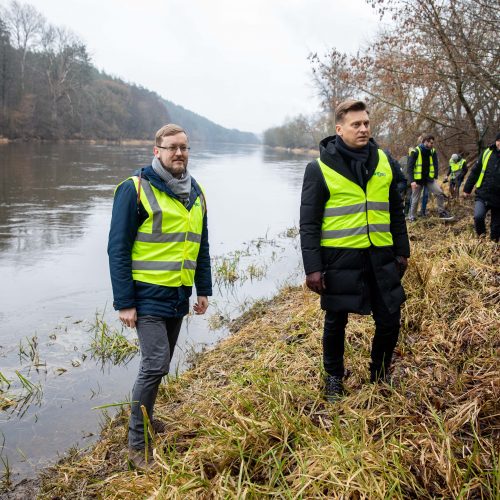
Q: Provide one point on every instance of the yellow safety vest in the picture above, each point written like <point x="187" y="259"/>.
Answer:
<point x="417" y="171"/>
<point x="456" y="167"/>
<point x="486" y="157"/>
<point x="354" y="218"/>
<point x="167" y="244"/>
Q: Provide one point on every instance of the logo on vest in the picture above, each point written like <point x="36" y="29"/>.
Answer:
<point x="379" y="174"/>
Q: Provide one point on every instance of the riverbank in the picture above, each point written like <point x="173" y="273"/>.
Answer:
<point x="121" y="142"/>
<point x="295" y="151"/>
<point x="248" y="418"/>
<point x="124" y="142"/>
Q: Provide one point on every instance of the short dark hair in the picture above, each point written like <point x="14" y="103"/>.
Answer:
<point x="349" y="105"/>
<point x="427" y="137"/>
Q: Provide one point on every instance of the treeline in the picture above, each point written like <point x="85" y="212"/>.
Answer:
<point x="302" y="132"/>
<point x="435" y="68"/>
<point x="49" y="89"/>
<point x="202" y="129"/>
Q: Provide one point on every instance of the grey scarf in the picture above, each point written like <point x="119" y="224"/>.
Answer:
<point x="180" y="187"/>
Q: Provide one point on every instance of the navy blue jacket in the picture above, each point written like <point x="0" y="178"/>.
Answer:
<point x="149" y="299"/>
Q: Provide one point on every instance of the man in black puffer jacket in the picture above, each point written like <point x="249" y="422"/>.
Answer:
<point x="354" y="241"/>
<point x="485" y="177"/>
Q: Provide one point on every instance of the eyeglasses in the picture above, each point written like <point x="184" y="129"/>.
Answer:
<point x="173" y="149"/>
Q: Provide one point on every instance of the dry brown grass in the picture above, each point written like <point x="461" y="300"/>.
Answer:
<point x="248" y="420"/>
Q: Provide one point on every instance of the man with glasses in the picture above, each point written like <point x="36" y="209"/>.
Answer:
<point x="158" y="249"/>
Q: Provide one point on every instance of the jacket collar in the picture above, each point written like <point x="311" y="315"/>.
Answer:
<point x="154" y="179"/>
<point x="329" y="155"/>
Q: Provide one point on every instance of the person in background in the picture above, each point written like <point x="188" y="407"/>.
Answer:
<point x="354" y="241"/>
<point x="158" y="249"/>
<point x="485" y="178"/>
<point x="457" y="171"/>
<point x="423" y="171"/>
<point x="406" y="194"/>
<point x="425" y="193"/>
<point x="399" y="176"/>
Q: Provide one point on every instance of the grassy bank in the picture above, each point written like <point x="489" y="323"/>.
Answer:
<point x="248" y="419"/>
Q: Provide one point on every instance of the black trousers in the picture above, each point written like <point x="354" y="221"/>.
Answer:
<point x="480" y="210"/>
<point x="387" y="326"/>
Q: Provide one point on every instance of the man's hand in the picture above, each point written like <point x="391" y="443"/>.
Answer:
<point x="128" y="317"/>
<point x="402" y="265"/>
<point x="413" y="185"/>
<point x="201" y="305"/>
<point x="315" y="282"/>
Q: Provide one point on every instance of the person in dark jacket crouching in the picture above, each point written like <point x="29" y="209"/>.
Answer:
<point x="485" y="177"/>
<point x="354" y="241"/>
<point x="158" y="249"/>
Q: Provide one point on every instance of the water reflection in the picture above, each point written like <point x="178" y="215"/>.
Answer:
<point x="48" y="191"/>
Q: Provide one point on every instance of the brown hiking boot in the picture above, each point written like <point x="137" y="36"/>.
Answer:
<point x="137" y="458"/>
<point x="159" y="427"/>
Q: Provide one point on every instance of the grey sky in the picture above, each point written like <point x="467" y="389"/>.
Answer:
<point x="241" y="64"/>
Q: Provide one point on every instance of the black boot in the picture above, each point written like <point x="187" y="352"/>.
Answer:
<point x="379" y="374"/>
<point x="334" y="388"/>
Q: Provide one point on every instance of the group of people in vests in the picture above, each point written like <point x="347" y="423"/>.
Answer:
<point x="354" y="243"/>
<point x="420" y="168"/>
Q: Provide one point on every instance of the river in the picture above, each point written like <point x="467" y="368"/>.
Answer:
<point x="55" y="210"/>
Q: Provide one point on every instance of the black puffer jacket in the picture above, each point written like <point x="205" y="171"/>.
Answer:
<point x="489" y="191"/>
<point x="346" y="270"/>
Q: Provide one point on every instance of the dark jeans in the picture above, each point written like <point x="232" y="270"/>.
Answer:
<point x="425" y="200"/>
<point x="157" y="339"/>
<point x="480" y="210"/>
<point x="386" y="335"/>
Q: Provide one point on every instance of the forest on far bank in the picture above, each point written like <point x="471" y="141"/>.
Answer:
<point x="434" y="66"/>
<point x="50" y="90"/>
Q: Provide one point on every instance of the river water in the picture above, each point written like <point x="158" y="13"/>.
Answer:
<point x="55" y="209"/>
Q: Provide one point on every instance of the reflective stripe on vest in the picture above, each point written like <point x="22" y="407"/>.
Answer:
<point x="353" y="218"/>
<point x="417" y="171"/>
<point x="486" y="157"/>
<point x="456" y="167"/>
<point x="166" y="247"/>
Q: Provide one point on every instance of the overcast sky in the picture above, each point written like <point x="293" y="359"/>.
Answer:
<point x="240" y="64"/>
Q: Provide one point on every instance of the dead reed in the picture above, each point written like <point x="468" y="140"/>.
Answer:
<point x="248" y="420"/>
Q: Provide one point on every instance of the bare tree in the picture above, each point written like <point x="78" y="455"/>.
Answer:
<point x="66" y="67"/>
<point x="437" y="67"/>
<point x="25" y="25"/>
